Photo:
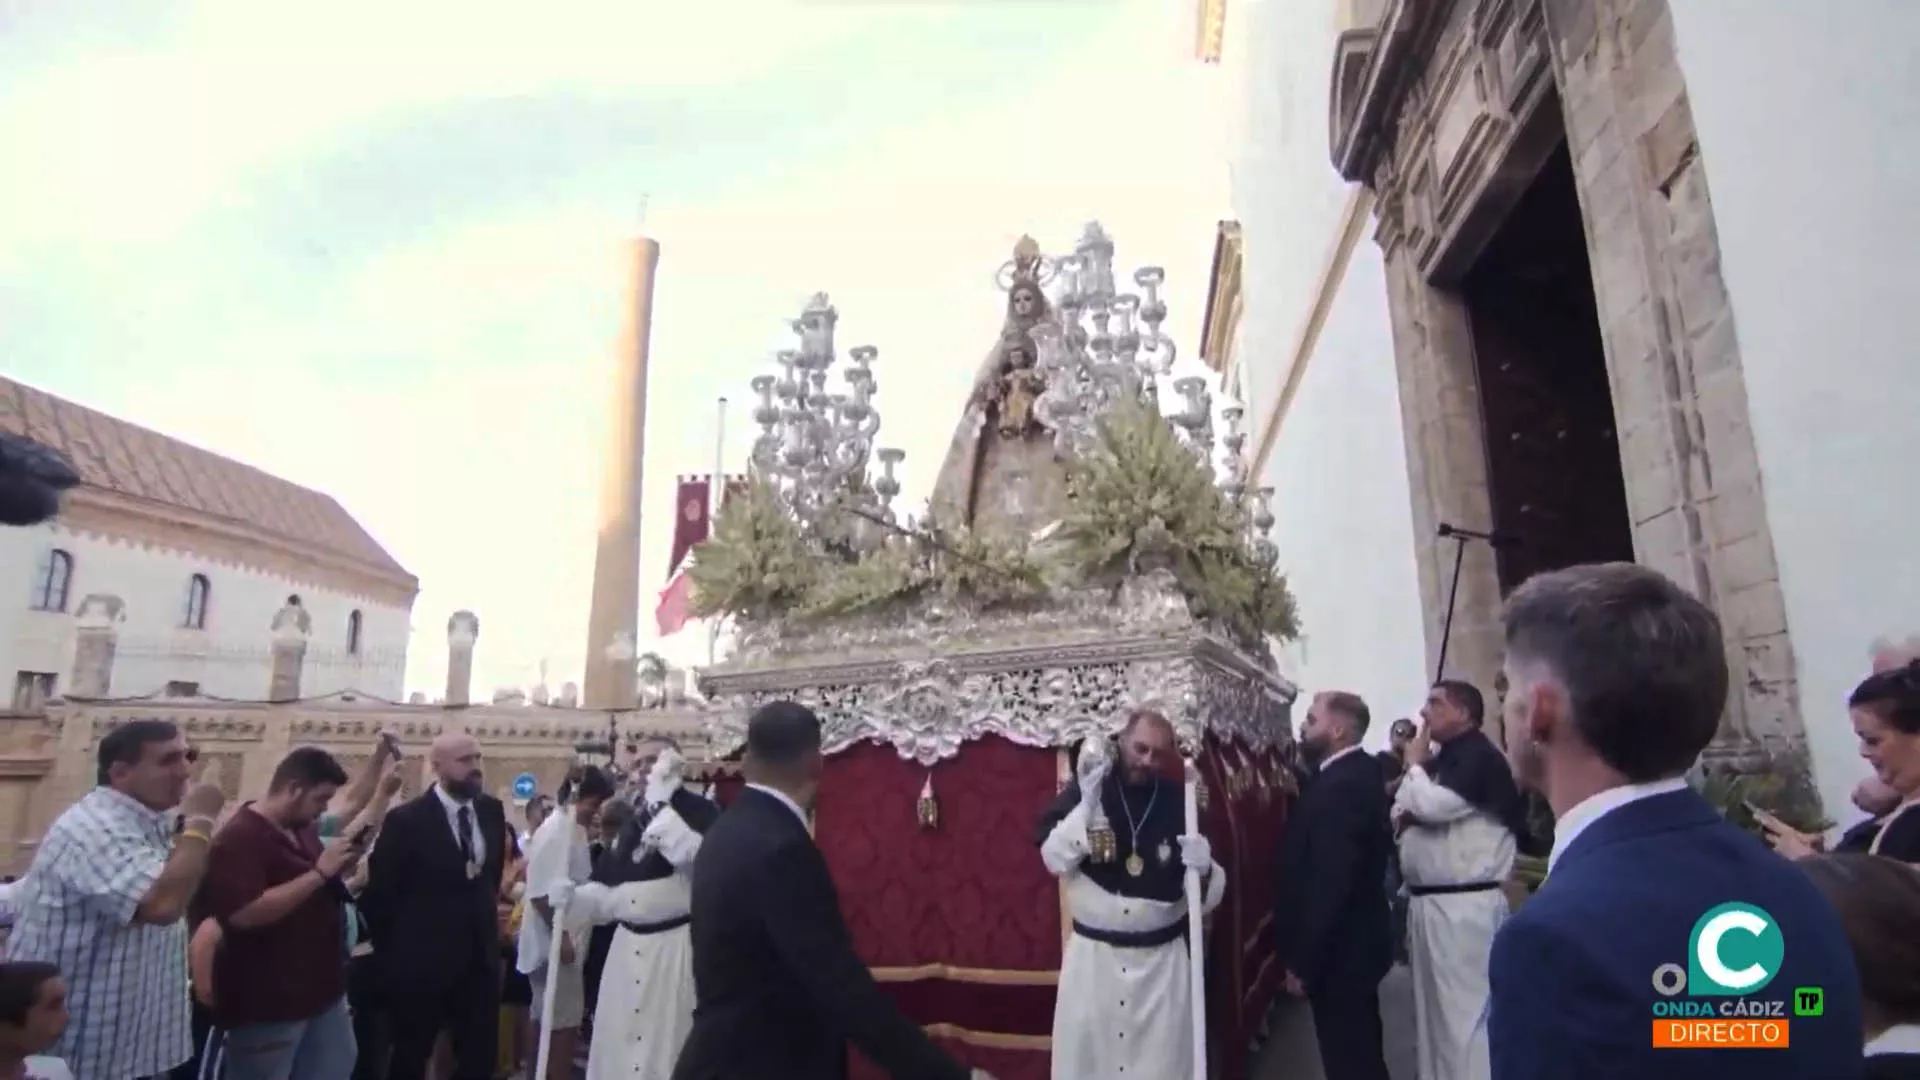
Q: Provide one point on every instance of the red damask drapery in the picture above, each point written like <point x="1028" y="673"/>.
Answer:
<point x="964" y="926"/>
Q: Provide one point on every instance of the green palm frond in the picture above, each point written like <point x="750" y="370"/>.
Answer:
<point x="889" y="575"/>
<point x="1139" y="480"/>
<point x="988" y="571"/>
<point x="757" y="565"/>
<point x="1137" y="493"/>
<point x="1780" y="783"/>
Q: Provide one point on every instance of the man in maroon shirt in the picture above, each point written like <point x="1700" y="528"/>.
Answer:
<point x="280" y="978"/>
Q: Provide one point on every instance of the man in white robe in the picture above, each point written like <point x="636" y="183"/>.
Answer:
<point x="644" y="887"/>
<point x="1124" y="1006"/>
<point x="1458" y="814"/>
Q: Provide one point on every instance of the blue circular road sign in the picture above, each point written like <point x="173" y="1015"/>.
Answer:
<point x="525" y="785"/>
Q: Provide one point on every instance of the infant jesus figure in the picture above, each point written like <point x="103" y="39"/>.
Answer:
<point x="1021" y="385"/>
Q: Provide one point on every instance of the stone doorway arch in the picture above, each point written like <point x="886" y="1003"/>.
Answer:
<point x="1446" y="110"/>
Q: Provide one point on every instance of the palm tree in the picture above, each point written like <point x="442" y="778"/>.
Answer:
<point x="651" y="669"/>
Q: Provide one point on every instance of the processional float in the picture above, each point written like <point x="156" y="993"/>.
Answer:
<point x="1081" y="556"/>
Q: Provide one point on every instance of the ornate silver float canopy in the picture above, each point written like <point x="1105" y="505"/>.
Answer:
<point x="1079" y="649"/>
<point x="927" y="685"/>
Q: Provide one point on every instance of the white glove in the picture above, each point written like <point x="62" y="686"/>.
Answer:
<point x="1196" y="853"/>
<point x="1066" y="846"/>
<point x="560" y="895"/>
<point x="1094" y="764"/>
<point x="671" y="837"/>
<point x="663" y="779"/>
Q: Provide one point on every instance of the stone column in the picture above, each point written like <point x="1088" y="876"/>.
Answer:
<point x="96" y="638"/>
<point x="463" y="629"/>
<point x="292" y="626"/>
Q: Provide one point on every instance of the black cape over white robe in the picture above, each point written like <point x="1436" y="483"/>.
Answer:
<point x="646" y="990"/>
<point x="1457" y="851"/>
<point x="1124" y="1006"/>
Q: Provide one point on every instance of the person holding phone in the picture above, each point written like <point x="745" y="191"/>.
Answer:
<point x="1871" y="796"/>
<point x="276" y="895"/>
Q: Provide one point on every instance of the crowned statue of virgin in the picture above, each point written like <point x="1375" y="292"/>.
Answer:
<point x="1001" y="473"/>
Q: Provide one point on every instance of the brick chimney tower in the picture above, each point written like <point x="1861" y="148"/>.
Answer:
<point x="463" y="630"/>
<point x="613" y="624"/>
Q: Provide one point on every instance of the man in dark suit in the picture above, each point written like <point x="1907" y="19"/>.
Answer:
<point x="778" y="989"/>
<point x="1334" y="934"/>
<point x="1654" y="905"/>
<point x="430" y="905"/>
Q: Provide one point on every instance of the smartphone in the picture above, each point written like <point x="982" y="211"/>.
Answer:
<point x="392" y="743"/>
<point x="361" y="838"/>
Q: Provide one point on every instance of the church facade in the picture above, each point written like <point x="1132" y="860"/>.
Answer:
<point x="1605" y="279"/>
<point x="199" y="552"/>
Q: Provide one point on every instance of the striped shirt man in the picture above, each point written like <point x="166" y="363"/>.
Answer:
<point x="126" y="981"/>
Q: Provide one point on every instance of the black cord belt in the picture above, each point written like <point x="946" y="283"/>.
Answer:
<point x="1447" y="890"/>
<point x="1134" y="939"/>
<point x="661" y="927"/>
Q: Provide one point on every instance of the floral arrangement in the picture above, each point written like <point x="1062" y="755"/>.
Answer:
<point x="757" y="565"/>
<point x="1138" y="501"/>
<point x="1777" y="781"/>
<point x="760" y="564"/>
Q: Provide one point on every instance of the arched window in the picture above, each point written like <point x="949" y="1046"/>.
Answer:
<point x="198" y="590"/>
<point x="353" y="633"/>
<point x="53" y="581"/>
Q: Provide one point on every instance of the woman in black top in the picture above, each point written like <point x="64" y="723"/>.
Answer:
<point x="1886" y="716"/>
<point x="1878" y="901"/>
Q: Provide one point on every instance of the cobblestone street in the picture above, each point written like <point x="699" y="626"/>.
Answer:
<point x="1291" y="1054"/>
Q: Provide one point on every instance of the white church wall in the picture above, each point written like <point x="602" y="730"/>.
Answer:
<point x="1337" y="462"/>
<point x="1345" y="533"/>
<point x="230" y="658"/>
<point x="1809" y="127"/>
<point x="1276" y="57"/>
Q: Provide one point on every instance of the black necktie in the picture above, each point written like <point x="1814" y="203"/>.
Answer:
<point x="463" y="824"/>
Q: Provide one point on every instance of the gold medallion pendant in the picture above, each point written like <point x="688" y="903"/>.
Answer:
<point x="1136" y="865"/>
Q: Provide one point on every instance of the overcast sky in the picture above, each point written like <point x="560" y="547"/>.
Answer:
<point x="372" y="247"/>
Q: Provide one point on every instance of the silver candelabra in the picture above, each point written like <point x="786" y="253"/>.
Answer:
<point x="1095" y="347"/>
<point x="1098" y="346"/>
<point x="816" y="444"/>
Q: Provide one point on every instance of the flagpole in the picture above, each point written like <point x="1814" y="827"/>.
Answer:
<point x="716" y="492"/>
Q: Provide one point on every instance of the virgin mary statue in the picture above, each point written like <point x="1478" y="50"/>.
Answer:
<point x="1001" y="473"/>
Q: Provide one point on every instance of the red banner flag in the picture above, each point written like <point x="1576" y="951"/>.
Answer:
<point x="676" y="602"/>
<point x="690" y="522"/>
<point x="736" y="485"/>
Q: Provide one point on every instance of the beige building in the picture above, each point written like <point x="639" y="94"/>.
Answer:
<point x="47" y="757"/>
<point x="1610" y="277"/>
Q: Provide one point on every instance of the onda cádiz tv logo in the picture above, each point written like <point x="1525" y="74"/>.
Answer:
<point x="1719" y="999"/>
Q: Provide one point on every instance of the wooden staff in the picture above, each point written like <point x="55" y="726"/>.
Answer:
<point x="1196" y="948"/>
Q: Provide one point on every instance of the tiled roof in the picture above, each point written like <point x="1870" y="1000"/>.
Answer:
<point x="127" y="459"/>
